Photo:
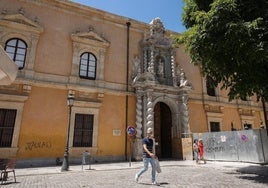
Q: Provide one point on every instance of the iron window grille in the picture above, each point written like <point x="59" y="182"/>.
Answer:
<point x="7" y="123"/>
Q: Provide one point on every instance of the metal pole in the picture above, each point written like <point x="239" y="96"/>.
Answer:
<point x="130" y="151"/>
<point x="65" y="163"/>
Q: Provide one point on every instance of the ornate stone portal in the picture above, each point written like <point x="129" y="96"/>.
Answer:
<point x="157" y="78"/>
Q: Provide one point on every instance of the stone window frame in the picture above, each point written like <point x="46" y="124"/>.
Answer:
<point x="8" y="117"/>
<point x="84" y="129"/>
<point x="19" y="26"/>
<point x="88" y="42"/>
<point x="84" y="107"/>
<point x="208" y="88"/>
<point x="247" y="119"/>
<point x="14" y="102"/>
<point x="208" y="97"/>
<point x="214" y="117"/>
<point x="211" y="123"/>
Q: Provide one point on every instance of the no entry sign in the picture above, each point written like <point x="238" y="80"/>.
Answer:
<point x="131" y="131"/>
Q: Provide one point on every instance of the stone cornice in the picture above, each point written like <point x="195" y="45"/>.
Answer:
<point x="90" y="38"/>
<point x="215" y="109"/>
<point x="19" y="21"/>
<point x="90" y="12"/>
<point x="61" y="82"/>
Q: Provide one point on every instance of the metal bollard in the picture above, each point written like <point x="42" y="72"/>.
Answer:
<point x="86" y="159"/>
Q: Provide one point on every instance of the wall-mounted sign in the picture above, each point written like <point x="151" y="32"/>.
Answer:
<point x="244" y="137"/>
<point x="117" y="132"/>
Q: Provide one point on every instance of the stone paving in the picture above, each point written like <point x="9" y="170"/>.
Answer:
<point x="116" y="175"/>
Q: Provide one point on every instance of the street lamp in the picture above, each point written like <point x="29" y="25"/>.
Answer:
<point x="65" y="163"/>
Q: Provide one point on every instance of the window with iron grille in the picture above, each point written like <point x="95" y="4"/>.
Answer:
<point x="16" y="50"/>
<point x="210" y="86"/>
<point x="215" y="127"/>
<point x="7" y="123"/>
<point x="88" y="65"/>
<point x="243" y="98"/>
<point x="247" y="126"/>
<point x="83" y="130"/>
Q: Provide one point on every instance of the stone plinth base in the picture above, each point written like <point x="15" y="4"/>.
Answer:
<point x="137" y="149"/>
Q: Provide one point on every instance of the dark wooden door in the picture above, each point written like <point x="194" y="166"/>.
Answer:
<point x="162" y="127"/>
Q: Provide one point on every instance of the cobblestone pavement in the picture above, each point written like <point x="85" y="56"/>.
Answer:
<point x="174" y="174"/>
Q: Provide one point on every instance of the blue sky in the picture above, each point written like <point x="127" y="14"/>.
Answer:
<point x="169" y="11"/>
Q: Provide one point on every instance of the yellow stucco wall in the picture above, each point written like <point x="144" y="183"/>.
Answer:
<point x="198" y="121"/>
<point x="45" y="120"/>
<point x="44" y="124"/>
<point x="113" y="117"/>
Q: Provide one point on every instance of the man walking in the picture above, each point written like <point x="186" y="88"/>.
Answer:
<point x="148" y="156"/>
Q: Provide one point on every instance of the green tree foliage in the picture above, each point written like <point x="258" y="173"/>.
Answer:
<point x="228" y="39"/>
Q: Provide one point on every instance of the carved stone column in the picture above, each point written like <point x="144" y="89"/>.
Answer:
<point x="145" y="63"/>
<point x="139" y="115"/>
<point x="173" y="69"/>
<point x="151" y="66"/>
<point x="150" y="112"/>
<point x="137" y="151"/>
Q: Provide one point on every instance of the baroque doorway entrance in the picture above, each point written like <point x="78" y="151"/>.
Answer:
<point x="162" y="130"/>
<point x="161" y="89"/>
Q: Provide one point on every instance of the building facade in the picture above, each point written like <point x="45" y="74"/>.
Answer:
<point x="122" y="73"/>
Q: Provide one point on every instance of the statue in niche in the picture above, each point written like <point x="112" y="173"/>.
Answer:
<point x="160" y="68"/>
<point x="136" y="67"/>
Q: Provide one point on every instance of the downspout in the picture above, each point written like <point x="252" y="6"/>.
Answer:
<point x="264" y="113"/>
<point x="128" y="26"/>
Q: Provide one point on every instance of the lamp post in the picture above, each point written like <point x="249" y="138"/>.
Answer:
<point x="65" y="163"/>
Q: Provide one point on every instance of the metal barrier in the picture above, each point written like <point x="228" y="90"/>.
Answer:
<point x="244" y="146"/>
<point x="86" y="160"/>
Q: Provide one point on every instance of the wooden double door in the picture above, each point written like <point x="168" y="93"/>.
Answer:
<point x="162" y="130"/>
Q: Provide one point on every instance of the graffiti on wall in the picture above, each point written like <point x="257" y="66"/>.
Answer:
<point x="212" y="145"/>
<point x="37" y="145"/>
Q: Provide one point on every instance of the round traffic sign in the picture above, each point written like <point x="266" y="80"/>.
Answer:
<point x="131" y="131"/>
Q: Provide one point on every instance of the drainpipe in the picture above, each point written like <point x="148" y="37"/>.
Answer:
<point x="264" y="113"/>
<point x="128" y="26"/>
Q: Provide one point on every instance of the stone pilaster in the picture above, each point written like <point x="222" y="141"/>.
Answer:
<point x="184" y="117"/>
<point x="173" y="70"/>
<point x="137" y="146"/>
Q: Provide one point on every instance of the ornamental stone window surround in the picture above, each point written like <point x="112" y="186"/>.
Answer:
<point x="93" y="43"/>
<point x="19" y="26"/>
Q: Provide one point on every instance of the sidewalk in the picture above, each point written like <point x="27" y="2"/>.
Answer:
<point x="240" y="167"/>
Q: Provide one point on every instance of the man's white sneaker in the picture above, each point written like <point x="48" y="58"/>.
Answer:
<point x="136" y="178"/>
<point x="155" y="183"/>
